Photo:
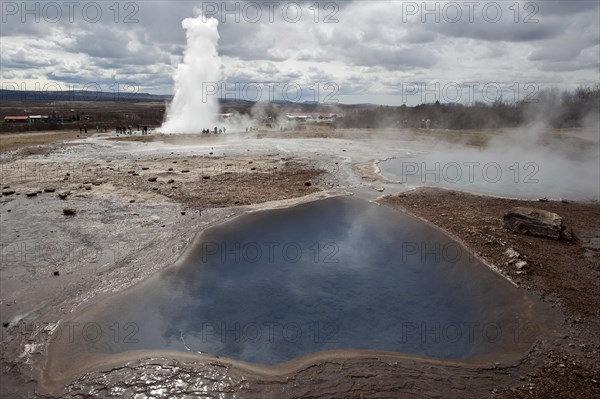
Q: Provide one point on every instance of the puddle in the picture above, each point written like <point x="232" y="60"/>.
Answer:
<point x="338" y="273"/>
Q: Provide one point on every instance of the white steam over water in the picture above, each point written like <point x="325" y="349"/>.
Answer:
<point x="192" y="109"/>
<point x="524" y="163"/>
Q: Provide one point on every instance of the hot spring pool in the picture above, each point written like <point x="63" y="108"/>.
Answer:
<point x="339" y="273"/>
<point x="513" y="175"/>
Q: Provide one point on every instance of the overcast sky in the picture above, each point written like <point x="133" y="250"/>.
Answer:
<point x="388" y="52"/>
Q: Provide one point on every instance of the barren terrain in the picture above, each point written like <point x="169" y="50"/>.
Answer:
<point x="138" y="201"/>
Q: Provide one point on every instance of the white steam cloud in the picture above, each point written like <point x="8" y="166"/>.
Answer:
<point x="192" y="110"/>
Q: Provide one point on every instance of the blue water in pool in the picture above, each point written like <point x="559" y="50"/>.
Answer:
<point x="340" y="273"/>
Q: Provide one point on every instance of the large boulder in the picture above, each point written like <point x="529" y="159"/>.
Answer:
<point x="536" y="222"/>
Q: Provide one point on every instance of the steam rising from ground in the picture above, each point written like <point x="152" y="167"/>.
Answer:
<point x="192" y="109"/>
<point x="533" y="161"/>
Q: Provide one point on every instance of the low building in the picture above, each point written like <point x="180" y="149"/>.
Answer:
<point x="38" y="118"/>
<point x="311" y="116"/>
<point x="27" y="119"/>
<point x="16" y="119"/>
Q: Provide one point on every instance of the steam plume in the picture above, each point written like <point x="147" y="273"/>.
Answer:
<point x="192" y="109"/>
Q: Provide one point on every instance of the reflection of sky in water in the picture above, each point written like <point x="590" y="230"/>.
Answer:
<point x="371" y="285"/>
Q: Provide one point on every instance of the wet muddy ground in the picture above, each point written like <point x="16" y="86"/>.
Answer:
<point x="133" y="217"/>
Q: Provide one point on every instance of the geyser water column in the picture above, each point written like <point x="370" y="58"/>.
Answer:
<point x="192" y="109"/>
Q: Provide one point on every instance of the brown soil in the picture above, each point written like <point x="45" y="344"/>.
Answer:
<point x="28" y="141"/>
<point x="203" y="182"/>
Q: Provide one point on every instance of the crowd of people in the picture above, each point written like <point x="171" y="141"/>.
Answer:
<point x="215" y="130"/>
<point x="129" y="129"/>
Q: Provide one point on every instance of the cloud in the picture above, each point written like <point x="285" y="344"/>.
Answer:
<point x="370" y="48"/>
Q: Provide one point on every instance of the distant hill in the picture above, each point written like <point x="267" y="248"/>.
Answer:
<point x="78" y="95"/>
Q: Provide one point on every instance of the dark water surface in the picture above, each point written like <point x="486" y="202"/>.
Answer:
<point x="340" y="273"/>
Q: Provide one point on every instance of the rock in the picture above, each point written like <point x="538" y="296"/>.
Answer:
<point x="536" y="222"/>
<point x="206" y="177"/>
<point x="49" y="190"/>
<point x="96" y="183"/>
<point x="87" y="186"/>
<point x="516" y="258"/>
<point x="170" y="169"/>
<point x="380" y="189"/>
<point x="56" y="273"/>
<point x="31" y="193"/>
<point x="521" y="265"/>
<point x="185" y="171"/>
<point x="543" y="199"/>
<point x="170" y="181"/>
<point x="8" y="192"/>
<point x="69" y="211"/>
<point x="183" y="213"/>
<point x="153" y="178"/>
<point x="567" y="234"/>
<point x="512" y="254"/>
<point x="63" y="194"/>
<point x="145" y="168"/>
<point x="307" y="183"/>
<point x="131" y="201"/>
<point x="155" y="218"/>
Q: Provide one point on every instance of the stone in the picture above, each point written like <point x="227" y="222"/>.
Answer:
<point x="520" y="265"/>
<point x="511" y="253"/>
<point x="535" y="222"/>
<point x="69" y="211"/>
<point x="307" y="184"/>
<point x="567" y="234"/>
<point x="31" y="193"/>
<point x="49" y="189"/>
<point x="56" y="273"/>
<point x="63" y="194"/>
<point x="170" y="181"/>
<point x="185" y="171"/>
<point x="516" y="259"/>
<point x="153" y="178"/>
<point x="8" y="192"/>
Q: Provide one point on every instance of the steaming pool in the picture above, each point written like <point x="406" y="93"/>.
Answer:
<point x="338" y="273"/>
<point x="516" y="175"/>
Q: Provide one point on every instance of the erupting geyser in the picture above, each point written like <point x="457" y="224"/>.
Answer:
<point x="192" y="109"/>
